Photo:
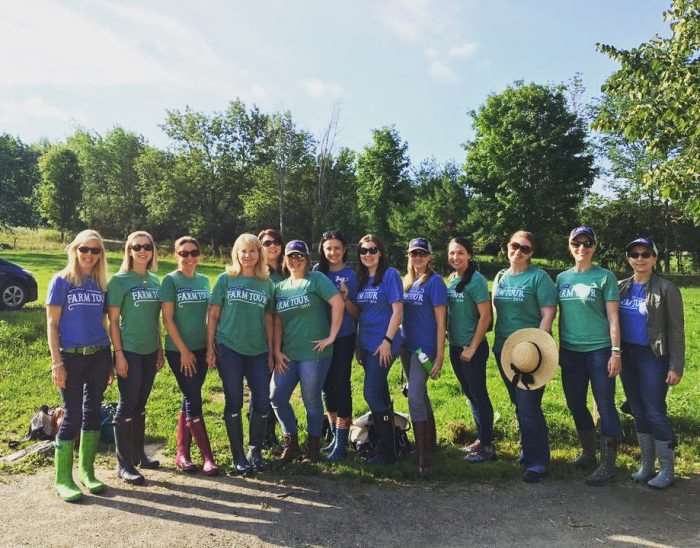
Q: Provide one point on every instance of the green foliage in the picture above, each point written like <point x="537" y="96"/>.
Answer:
<point x="659" y="84"/>
<point x="19" y="176"/>
<point x="528" y="165"/>
<point x="60" y="190"/>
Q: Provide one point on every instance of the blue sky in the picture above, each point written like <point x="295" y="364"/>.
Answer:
<point x="420" y="65"/>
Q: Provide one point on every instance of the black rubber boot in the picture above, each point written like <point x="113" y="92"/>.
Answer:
<point x="588" y="449"/>
<point x="256" y="439"/>
<point x="140" y="457"/>
<point x="234" y="429"/>
<point x="386" y="445"/>
<point x="606" y="471"/>
<point x="123" y="444"/>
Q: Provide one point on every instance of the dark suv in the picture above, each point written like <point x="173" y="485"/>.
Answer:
<point x="17" y="286"/>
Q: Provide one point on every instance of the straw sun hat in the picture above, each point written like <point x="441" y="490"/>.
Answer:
<point x="529" y="358"/>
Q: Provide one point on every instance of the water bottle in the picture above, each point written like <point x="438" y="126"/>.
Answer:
<point x="424" y="360"/>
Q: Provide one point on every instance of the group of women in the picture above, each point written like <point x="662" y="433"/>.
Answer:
<point x="276" y="320"/>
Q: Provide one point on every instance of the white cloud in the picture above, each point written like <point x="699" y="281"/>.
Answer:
<point x="410" y="20"/>
<point x="37" y="107"/>
<point x="442" y="72"/>
<point x="318" y="89"/>
<point x="465" y="50"/>
<point x="431" y="53"/>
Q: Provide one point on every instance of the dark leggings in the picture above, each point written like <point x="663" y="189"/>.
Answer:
<point x="136" y="387"/>
<point x="337" y="395"/>
<point x="191" y="387"/>
<point x="86" y="380"/>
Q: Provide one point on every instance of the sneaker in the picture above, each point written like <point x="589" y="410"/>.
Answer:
<point x="472" y="447"/>
<point x="484" y="453"/>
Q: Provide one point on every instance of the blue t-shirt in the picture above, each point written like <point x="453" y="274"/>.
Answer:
<point x="349" y="278"/>
<point x="82" y="315"/>
<point x="375" y="309"/>
<point x="633" y="315"/>
<point x="419" y="324"/>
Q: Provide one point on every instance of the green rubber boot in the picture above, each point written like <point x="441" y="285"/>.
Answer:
<point x="86" y="461"/>
<point x="63" y="460"/>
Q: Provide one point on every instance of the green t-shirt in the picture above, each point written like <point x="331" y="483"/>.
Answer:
<point x="518" y="299"/>
<point x="276" y="277"/>
<point x="138" y="299"/>
<point x="301" y="304"/>
<point x="244" y="301"/>
<point x="191" y="298"/>
<point x="462" y="313"/>
<point x="583" y="319"/>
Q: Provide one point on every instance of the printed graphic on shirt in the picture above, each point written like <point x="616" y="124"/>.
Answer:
<point x="454" y="296"/>
<point x="186" y="295"/>
<point x="78" y="297"/>
<point x="141" y="295"/>
<point x="292" y="303"/>
<point x="578" y="292"/>
<point x="415" y="295"/>
<point x="515" y="294"/>
<point x="637" y="304"/>
<point x="368" y="294"/>
<point x="246" y="295"/>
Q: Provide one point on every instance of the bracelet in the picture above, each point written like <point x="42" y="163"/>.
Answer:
<point x="118" y="350"/>
<point x="616" y="349"/>
<point x="388" y="339"/>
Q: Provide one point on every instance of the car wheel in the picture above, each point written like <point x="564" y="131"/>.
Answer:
<point x="12" y="296"/>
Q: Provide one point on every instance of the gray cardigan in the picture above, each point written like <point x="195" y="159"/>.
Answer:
<point x="665" y="324"/>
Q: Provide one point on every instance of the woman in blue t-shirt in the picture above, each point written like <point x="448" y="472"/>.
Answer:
<point x="333" y="252"/>
<point x="380" y="310"/>
<point x="80" y="359"/>
<point x="653" y="358"/>
<point x="424" y="318"/>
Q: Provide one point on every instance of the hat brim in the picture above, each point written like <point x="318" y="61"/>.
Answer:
<point x="548" y="349"/>
<point x="420" y="248"/>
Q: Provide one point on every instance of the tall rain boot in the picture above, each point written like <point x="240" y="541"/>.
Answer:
<point x="140" y="457"/>
<point x="665" y="477"/>
<point x="183" y="438"/>
<point x="256" y="438"/>
<point x="123" y="444"/>
<point x="340" y="449"/>
<point x="89" y="441"/>
<point x="588" y="449"/>
<point x="647" y="453"/>
<point x="234" y="429"/>
<point x="421" y="431"/>
<point x="63" y="461"/>
<point x="386" y="446"/>
<point x="606" y="471"/>
<point x="198" y="430"/>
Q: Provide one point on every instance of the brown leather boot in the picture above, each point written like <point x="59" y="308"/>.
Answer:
<point x="313" y="449"/>
<point x="421" y="431"/>
<point x="291" y="449"/>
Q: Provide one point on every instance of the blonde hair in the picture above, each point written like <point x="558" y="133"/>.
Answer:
<point x="529" y="236"/>
<point x="261" y="270"/>
<point x="128" y="262"/>
<point x="72" y="270"/>
<point x="410" y="278"/>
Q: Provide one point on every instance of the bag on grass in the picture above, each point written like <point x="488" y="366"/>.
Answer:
<point x="363" y="436"/>
<point x="45" y="423"/>
<point x="107" y="413"/>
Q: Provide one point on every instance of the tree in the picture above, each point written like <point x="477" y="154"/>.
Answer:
<point x="60" y="190"/>
<point x="19" y="176"/>
<point x="659" y="84"/>
<point x="528" y="166"/>
<point x="383" y="182"/>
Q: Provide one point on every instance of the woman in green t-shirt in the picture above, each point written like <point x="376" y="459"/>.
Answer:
<point x="524" y="296"/>
<point x="133" y="307"/>
<point x="185" y="298"/>
<point x="303" y="344"/>
<point x="589" y="339"/>
<point x="469" y="317"/>
<point x="239" y="339"/>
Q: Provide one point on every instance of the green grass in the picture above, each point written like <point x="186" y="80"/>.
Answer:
<point x="25" y="384"/>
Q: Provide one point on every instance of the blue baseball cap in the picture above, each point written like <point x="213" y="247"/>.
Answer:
<point x="420" y="243"/>
<point x="645" y="242"/>
<point x="586" y="231"/>
<point x="296" y="246"/>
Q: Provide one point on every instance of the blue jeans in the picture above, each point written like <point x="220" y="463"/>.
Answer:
<point x="644" y="381"/>
<point x="191" y="387"/>
<point x="472" y="377"/>
<point x="136" y="387"/>
<point x="534" y="436"/>
<point x="578" y="369"/>
<point x="232" y="367"/>
<point x="376" y="387"/>
<point x="86" y="380"/>
<point x="311" y="374"/>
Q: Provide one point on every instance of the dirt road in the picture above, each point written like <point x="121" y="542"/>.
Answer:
<point x="193" y="511"/>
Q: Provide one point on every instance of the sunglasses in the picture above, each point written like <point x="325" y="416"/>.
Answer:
<point x="94" y="250"/>
<point x="637" y="254"/>
<point x="268" y="243"/>
<point x="370" y="250"/>
<point x="191" y="253"/>
<point x="585" y="243"/>
<point x="139" y="247"/>
<point x="418" y="253"/>
<point x="296" y="256"/>
<point x="525" y="249"/>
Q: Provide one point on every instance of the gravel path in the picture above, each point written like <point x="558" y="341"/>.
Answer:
<point x="194" y="511"/>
